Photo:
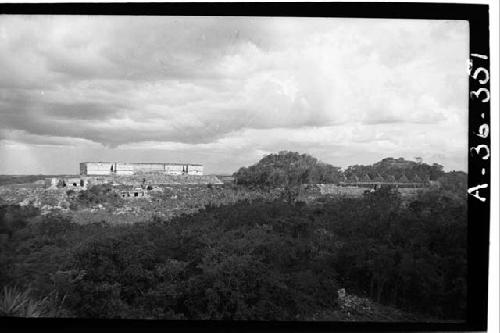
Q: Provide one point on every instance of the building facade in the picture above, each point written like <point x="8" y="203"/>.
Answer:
<point x="127" y="169"/>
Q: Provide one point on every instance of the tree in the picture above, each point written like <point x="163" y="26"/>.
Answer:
<point x="287" y="169"/>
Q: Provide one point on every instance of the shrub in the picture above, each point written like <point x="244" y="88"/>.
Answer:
<point x="253" y="260"/>
<point x="18" y="303"/>
<point x="97" y="194"/>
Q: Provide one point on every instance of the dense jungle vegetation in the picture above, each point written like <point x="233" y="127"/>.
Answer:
<point x="291" y="168"/>
<point x="263" y="260"/>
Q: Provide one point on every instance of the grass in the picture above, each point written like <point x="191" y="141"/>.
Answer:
<point x="15" y="302"/>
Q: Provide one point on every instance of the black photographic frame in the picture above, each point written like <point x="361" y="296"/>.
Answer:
<point x="479" y="166"/>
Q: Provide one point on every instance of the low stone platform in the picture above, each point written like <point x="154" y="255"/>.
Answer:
<point x="165" y="179"/>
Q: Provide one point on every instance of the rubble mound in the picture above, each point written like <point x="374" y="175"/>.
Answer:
<point x="354" y="308"/>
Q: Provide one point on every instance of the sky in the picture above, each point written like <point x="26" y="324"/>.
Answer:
<point x="225" y="91"/>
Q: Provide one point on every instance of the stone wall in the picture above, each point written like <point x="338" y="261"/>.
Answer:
<point x="313" y="191"/>
<point x="347" y="191"/>
<point x="410" y="192"/>
<point x="165" y="179"/>
<point x="120" y="168"/>
<point x="140" y="179"/>
<point x="74" y="183"/>
<point x="95" y="168"/>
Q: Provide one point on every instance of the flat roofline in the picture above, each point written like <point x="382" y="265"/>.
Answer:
<point x="162" y="163"/>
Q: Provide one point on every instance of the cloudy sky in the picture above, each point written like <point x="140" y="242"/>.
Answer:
<point x="224" y="91"/>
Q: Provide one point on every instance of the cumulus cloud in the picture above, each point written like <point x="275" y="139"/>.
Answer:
<point x="241" y="86"/>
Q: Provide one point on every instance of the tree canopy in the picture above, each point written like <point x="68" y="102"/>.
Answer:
<point x="260" y="260"/>
<point x="287" y="169"/>
<point x="291" y="168"/>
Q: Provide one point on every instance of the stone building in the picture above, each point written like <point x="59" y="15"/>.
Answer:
<point x="127" y="169"/>
<point x="67" y="182"/>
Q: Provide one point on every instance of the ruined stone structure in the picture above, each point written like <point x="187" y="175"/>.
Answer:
<point x="311" y="192"/>
<point x="375" y="184"/>
<point x="378" y="181"/>
<point x="137" y="192"/>
<point x="139" y="178"/>
<point x="69" y="182"/>
<point x="128" y="169"/>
